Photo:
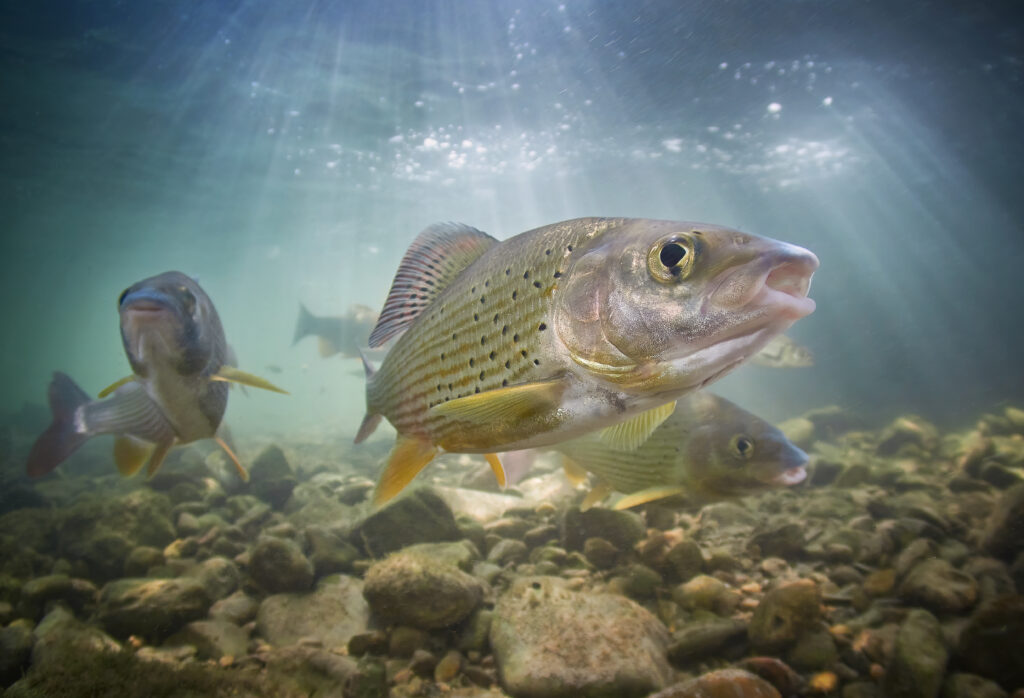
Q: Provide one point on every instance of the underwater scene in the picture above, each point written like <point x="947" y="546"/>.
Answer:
<point x="512" y="349"/>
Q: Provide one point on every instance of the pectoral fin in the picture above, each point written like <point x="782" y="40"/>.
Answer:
<point x="574" y="472"/>
<point x="600" y="491"/>
<point x="649" y="495"/>
<point x="514" y="403"/>
<point x="230" y="374"/>
<point x="407" y="459"/>
<point x="631" y="434"/>
<point x="499" y="471"/>
<point x="130" y="454"/>
<point x="115" y="385"/>
<point x="156" y="459"/>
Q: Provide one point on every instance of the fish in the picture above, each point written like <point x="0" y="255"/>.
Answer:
<point x="708" y="449"/>
<point x="342" y="335"/>
<point x="783" y="352"/>
<point x="176" y="394"/>
<point x="567" y="328"/>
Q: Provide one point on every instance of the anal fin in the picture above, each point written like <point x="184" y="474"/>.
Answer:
<point x="499" y="471"/>
<point x="574" y="472"/>
<point x="130" y="454"/>
<point x="407" y="459"/>
<point x="651" y="494"/>
<point x="631" y="434"/>
<point x="156" y="459"/>
<point x="597" y="494"/>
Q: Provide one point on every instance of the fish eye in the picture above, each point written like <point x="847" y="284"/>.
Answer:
<point x="743" y="446"/>
<point x="671" y="259"/>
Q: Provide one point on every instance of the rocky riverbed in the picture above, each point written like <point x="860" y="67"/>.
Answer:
<point x="896" y="570"/>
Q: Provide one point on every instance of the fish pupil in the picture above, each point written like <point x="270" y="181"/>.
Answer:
<point x="671" y="254"/>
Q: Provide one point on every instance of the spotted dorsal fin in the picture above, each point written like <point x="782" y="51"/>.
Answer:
<point x="437" y="255"/>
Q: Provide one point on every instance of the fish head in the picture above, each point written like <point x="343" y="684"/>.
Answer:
<point x="734" y="457"/>
<point x="662" y="307"/>
<point x="168" y="320"/>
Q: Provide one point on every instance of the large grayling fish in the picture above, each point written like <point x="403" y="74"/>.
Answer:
<point x="337" y="335"/>
<point x="567" y="328"/>
<point x="708" y="449"/>
<point x="177" y="392"/>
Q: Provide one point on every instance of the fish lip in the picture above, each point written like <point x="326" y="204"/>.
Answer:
<point x="146" y="302"/>
<point x="789" y="477"/>
<point x="778" y="281"/>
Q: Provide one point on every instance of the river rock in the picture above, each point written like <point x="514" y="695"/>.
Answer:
<point x="939" y="586"/>
<point x="329" y="552"/>
<point x="970" y="686"/>
<point x="212" y="639"/>
<point x="706" y="593"/>
<point x="151" y="608"/>
<point x="724" y="683"/>
<point x="417" y="587"/>
<point x="704" y="639"/>
<point x="15" y="650"/>
<point x="239" y="608"/>
<point x="784" y="613"/>
<point x="279" y="566"/>
<point x="991" y="643"/>
<point x="552" y="642"/>
<point x="219" y="576"/>
<point x="332" y="614"/>
<point x="420" y="516"/>
<point x="919" y="658"/>
<point x="271" y="477"/>
<point x="1004" y="533"/>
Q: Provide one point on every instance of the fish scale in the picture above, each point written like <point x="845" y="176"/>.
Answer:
<point x="449" y="351"/>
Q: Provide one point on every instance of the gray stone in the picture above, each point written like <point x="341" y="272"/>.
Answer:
<point x="508" y="551"/>
<point x="552" y="642"/>
<point x="239" y="608"/>
<point x="418" y="517"/>
<point x="970" y="686"/>
<point x="991" y="643"/>
<point x="314" y="672"/>
<point x="59" y="632"/>
<point x="332" y="614"/>
<point x="278" y="566"/>
<point x="151" y="608"/>
<point x="329" y="552"/>
<point x="786" y="541"/>
<point x="685" y="559"/>
<point x="212" y="639"/>
<point x="623" y="529"/>
<point x="937" y="585"/>
<point x="725" y="683"/>
<point x="641" y="582"/>
<point x="784" y="614"/>
<point x="700" y="640"/>
<point x="141" y="559"/>
<point x="219" y="576"/>
<point x="907" y="431"/>
<point x="813" y="651"/>
<point x="15" y="650"/>
<point x="1004" y="533"/>
<point x="271" y="478"/>
<point x="919" y="658"/>
<point x="420" y="589"/>
<point x="706" y="593"/>
<point x="728" y="514"/>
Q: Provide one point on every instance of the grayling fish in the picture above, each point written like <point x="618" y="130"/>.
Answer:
<point x="567" y="328"/>
<point x="708" y="449"/>
<point x="337" y="335"/>
<point x="177" y="392"/>
<point x="783" y="352"/>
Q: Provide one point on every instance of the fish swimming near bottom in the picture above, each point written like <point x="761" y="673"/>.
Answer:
<point x="178" y="390"/>
<point x="337" y="335"/>
<point x="708" y="449"/>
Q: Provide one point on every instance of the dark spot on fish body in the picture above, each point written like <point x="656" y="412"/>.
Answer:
<point x="481" y="375"/>
<point x="515" y="337"/>
<point x="492" y="355"/>
<point x="483" y="300"/>
<point x="504" y="330"/>
<point x="483" y="340"/>
<point x="537" y="284"/>
<point x="472" y="363"/>
<point x="515" y="294"/>
<point x="504" y="382"/>
<point x="476" y="318"/>
<point x="526" y="274"/>
<point x="508" y="364"/>
<point x="541" y="327"/>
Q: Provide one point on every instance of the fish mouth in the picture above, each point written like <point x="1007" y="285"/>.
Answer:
<point x="776" y="284"/>
<point x="789" y="477"/>
<point x="145" y="304"/>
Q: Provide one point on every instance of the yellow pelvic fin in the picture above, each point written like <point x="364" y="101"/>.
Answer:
<point x="499" y="471"/>
<point x="407" y="459"/>
<point x="600" y="491"/>
<point x="230" y="374"/>
<point x="130" y="453"/>
<point x="574" y="472"/>
<point x="115" y="385"/>
<point x="631" y="434"/>
<point x="505" y="404"/>
<point x="327" y="348"/>
<point x="242" y="473"/>
<point x="649" y="495"/>
<point x="156" y="459"/>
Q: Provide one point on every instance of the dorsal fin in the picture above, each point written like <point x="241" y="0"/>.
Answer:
<point x="436" y="256"/>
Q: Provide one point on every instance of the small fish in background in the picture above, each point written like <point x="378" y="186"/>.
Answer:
<point x="337" y="335"/>
<point x="274" y="368"/>
<point x="565" y="329"/>
<point x="708" y="449"/>
<point x="178" y="390"/>
<point x="783" y="352"/>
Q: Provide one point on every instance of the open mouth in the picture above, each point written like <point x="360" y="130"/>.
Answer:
<point x="786" y="285"/>
<point x="789" y="477"/>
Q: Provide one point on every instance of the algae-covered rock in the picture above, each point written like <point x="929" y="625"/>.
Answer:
<point x="937" y="585"/>
<point x="552" y="642"/>
<point x="279" y="566"/>
<point x="212" y="639"/>
<point x="218" y="575"/>
<point x="239" y="608"/>
<point x="329" y="552"/>
<point x="991" y="643"/>
<point x="331" y="614"/>
<point x="623" y="529"/>
<point x="15" y="649"/>
<point x="700" y="640"/>
<point x="151" y="608"/>
<point x="1004" y="534"/>
<point x="919" y="658"/>
<point x="724" y="682"/>
<point x="784" y="613"/>
<point x="271" y="477"/>
<point x="970" y="686"/>
<point x="418" y="517"/>
<point x="421" y="589"/>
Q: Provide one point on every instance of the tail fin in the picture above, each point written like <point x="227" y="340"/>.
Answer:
<point x="60" y="439"/>
<point x="305" y="324"/>
<point x="371" y="420"/>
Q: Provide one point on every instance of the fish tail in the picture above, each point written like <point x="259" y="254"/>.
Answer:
<point x="306" y="324"/>
<point x="62" y="437"/>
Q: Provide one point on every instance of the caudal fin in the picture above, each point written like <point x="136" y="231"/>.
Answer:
<point x="60" y="439"/>
<point x="305" y="325"/>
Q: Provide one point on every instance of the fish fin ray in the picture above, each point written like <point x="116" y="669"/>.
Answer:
<point x="61" y="438"/>
<point x="650" y="494"/>
<point x="230" y="374"/>
<point x="598" y="493"/>
<point x="499" y="471"/>
<point x="437" y="255"/>
<point x="407" y="459"/>
<point x="130" y="454"/>
<point x="115" y="385"/>
<point x="575" y="473"/>
<point x="631" y="434"/>
<point x="514" y="402"/>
